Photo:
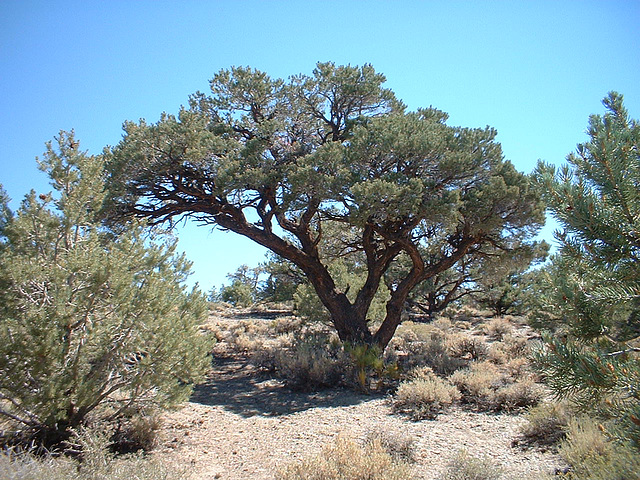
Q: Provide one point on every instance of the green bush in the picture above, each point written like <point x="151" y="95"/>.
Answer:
<point x="94" y="322"/>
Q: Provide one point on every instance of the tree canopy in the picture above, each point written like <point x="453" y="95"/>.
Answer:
<point x="283" y="162"/>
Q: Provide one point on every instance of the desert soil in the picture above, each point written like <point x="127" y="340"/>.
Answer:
<point x="241" y="425"/>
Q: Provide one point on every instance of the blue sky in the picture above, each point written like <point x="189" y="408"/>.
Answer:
<point x="533" y="70"/>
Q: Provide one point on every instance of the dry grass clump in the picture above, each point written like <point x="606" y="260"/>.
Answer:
<point x="284" y="325"/>
<point x="346" y="460"/>
<point x="478" y="381"/>
<point x="136" y="433"/>
<point x="424" y="398"/>
<point x="592" y="456"/>
<point x="465" y="467"/>
<point x="97" y="463"/>
<point x="546" y="425"/>
<point x="400" y="446"/>
<point x="426" y="345"/>
<point x="516" y="396"/>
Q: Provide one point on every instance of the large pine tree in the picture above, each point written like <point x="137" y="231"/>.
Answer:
<point x="593" y="296"/>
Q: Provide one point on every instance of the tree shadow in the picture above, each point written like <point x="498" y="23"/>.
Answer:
<point x="240" y="388"/>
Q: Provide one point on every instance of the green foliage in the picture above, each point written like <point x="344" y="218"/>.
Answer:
<point x="287" y="162"/>
<point x="92" y="322"/>
<point x="282" y="279"/>
<point x="591" y="294"/>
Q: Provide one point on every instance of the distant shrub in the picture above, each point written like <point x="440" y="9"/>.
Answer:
<point x="430" y="349"/>
<point x="238" y="294"/>
<point x="478" y="382"/>
<point x="424" y="398"/>
<point x="465" y="467"/>
<point x="466" y="347"/>
<point x="515" y="396"/>
<point x="487" y="387"/>
<point x="346" y="460"/>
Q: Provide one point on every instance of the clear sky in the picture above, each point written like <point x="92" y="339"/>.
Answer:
<point x="534" y="70"/>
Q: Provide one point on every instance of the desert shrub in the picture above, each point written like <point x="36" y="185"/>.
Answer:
<point x="94" y="322"/>
<point x="497" y="328"/>
<point x="431" y="350"/>
<point x="478" y="382"/>
<point x="465" y="467"/>
<point x="283" y="325"/>
<point x="315" y="361"/>
<point x="487" y="387"/>
<point x="96" y="463"/>
<point x="515" y="346"/>
<point x="424" y="398"/>
<point x="466" y="347"/>
<point x="515" y="396"/>
<point x="137" y="433"/>
<point x="546" y="425"/>
<point x="345" y="459"/>
<point x="400" y="446"/>
<point x="593" y="456"/>
<point x="517" y="367"/>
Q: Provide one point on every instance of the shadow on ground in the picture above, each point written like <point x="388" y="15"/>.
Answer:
<point x="237" y="386"/>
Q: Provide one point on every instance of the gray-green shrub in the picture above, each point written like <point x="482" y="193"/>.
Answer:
<point x="93" y="321"/>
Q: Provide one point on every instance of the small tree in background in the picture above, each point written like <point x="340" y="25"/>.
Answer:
<point x="93" y="324"/>
<point x="490" y="277"/>
<point x="244" y="288"/>
<point x="592" y="298"/>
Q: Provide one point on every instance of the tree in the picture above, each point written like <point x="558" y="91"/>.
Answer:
<point x="93" y="323"/>
<point x="592" y="297"/>
<point x="282" y="279"/>
<point x="490" y="277"/>
<point x="279" y="161"/>
<point x="243" y="290"/>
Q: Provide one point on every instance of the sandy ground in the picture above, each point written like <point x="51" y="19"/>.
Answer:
<point x="241" y="425"/>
